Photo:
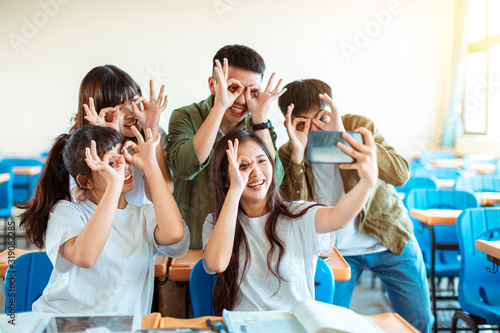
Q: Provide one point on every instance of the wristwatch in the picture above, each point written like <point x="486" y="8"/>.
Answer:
<point x="261" y="126"/>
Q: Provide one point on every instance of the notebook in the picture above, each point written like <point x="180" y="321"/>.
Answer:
<point x="306" y="316"/>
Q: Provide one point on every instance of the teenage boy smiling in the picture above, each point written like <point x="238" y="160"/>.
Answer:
<point x="195" y="129"/>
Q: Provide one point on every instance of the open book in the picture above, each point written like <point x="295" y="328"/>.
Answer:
<point x="81" y="323"/>
<point x="305" y="317"/>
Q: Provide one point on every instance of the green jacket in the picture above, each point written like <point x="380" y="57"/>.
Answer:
<point x="384" y="216"/>
<point x="191" y="176"/>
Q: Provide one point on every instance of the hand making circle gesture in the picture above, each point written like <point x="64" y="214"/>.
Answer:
<point x="298" y="135"/>
<point x="239" y="167"/>
<point x="111" y="167"/>
<point x="144" y="150"/>
<point x="106" y="117"/>
<point x="259" y="105"/>
<point x="328" y="120"/>
<point x="149" y="117"/>
<point x="226" y="90"/>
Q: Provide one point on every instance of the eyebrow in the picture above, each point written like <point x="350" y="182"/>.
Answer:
<point x="304" y="117"/>
<point x="260" y="155"/>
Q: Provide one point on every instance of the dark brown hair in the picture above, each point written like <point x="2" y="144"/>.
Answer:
<point x="66" y="157"/>
<point x="108" y="86"/>
<point x="241" y="56"/>
<point x="304" y="94"/>
<point x="227" y="286"/>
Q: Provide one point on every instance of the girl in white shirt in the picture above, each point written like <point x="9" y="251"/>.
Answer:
<point x="265" y="250"/>
<point x="101" y="247"/>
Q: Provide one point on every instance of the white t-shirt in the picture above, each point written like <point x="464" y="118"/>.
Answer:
<point x="122" y="278"/>
<point x="298" y="264"/>
<point x="329" y="190"/>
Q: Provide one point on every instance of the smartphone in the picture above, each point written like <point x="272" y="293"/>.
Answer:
<point x="323" y="149"/>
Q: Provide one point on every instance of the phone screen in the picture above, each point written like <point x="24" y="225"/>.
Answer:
<point x="322" y="148"/>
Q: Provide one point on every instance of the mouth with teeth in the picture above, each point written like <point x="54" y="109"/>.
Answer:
<point x="128" y="179"/>
<point x="256" y="185"/>
<point x="132" y="123"/>
<point x="237" y="111"/>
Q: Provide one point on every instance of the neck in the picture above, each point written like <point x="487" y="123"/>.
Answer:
<point x="96" y="198"/>
<point x="254" y="209"/>
<point x="226" y="126"/>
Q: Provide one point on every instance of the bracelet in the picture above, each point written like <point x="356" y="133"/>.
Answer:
<point x="261" y="126"/>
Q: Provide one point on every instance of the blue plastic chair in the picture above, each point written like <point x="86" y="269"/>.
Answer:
<point x="417" y="182"/>
<point x="479" y="183"/>
<point x="24" y="185"/>
<point x="470" y="160"/>
<point x="446" y="262"/>
<point x="428" y="156"/>
<point x="201" y="285"/>
<point x="30" y="274"/>
<point x="439" y="173"/>
<point x="478" y="289"/>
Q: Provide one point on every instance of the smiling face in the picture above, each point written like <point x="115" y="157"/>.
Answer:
<point x="261" y="176"/>
<point x="99" y="184"/>
<point x="250" y="80"/>
<point x="126" y="119"/>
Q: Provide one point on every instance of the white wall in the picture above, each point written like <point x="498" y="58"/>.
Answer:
<point x="398" y="77"/>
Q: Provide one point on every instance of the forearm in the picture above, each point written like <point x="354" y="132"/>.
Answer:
<point x="330" y="219"/>
<point x="204" y="138"/>
<point x="85" y="249"/>
<point x="165" y="171"/>
<point x="264" y="134"/>
<point x="170" y="229"/>
<point x="217" y="252"/>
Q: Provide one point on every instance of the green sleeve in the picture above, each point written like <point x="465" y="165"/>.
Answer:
<point x="294" y="185"/>
<point x="182" y="154"/>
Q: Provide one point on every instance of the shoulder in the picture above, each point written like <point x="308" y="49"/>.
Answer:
<point x="65" y="206"/>
<point x="295" y="207"/>
<point x="353" y="121"/>
<point x="285" y="149"/>
<point x="203" y="106"/>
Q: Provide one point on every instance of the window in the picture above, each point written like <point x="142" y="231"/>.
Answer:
<point x="481" y="105"/>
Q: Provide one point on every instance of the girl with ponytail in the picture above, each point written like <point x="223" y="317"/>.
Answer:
<point x="264" y="249"/>
<point x="102" y="248"/>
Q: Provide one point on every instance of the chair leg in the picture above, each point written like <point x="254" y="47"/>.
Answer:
<point x="469" y="320"/>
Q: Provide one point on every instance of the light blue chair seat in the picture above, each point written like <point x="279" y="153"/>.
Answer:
<point x="31" y="273"/>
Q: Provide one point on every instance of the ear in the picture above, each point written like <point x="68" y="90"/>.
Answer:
<point x="211" y="85"/>
<point x="84" y="182"/>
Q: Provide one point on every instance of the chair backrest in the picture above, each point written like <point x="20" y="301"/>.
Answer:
<point x="427" y="156"/>
<point x="439" y="173"/>
<point x="417" y="182"/>
<point x="6" y="191"/>
<point x="24" y="185"/>
<point x="201" y="285"/>
<point x="479" y="183"/>
<point x="25" y="280"/>
<point x="437" y="199"/>
<point x="475" y="281"/>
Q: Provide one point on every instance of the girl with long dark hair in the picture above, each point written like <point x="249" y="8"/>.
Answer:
<point x="110" y="97"/>
<point x="102" y="248"/>
<point x="264" y="249"/>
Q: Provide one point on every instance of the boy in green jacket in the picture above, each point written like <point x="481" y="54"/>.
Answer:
<point x="381" y="237"/>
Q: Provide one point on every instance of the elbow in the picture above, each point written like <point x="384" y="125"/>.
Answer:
<point x="85" y="261"/>
<point x="218" y="266"/>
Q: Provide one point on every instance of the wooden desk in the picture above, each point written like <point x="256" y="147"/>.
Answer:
<point x="31" y="171"/>
<point x="448" y="163"/>
<point x="446" y="183"/>
<point x="436" y="216"/>
<point x="160" y="262"/>
<point x="4" y="177"/>
<point x="491" y="248"/>
<point x="151" y="320"/>
<point x="486" y="168"/>
<point x="488" y="198"/>
<point x="389" y="322"/>
<point x="180" y="269"/>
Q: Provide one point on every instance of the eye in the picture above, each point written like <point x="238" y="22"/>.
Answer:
<point x="244" y="165"/>
<point x="233" y="88"/>
<point x="254" y="93"/>
<point x="263" y="160"/>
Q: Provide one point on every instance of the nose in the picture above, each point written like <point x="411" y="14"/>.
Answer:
<point x="256" y="171"/>
<point x="241" y="99"/>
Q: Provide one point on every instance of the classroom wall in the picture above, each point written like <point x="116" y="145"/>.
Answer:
<point x="386" y="59"/>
